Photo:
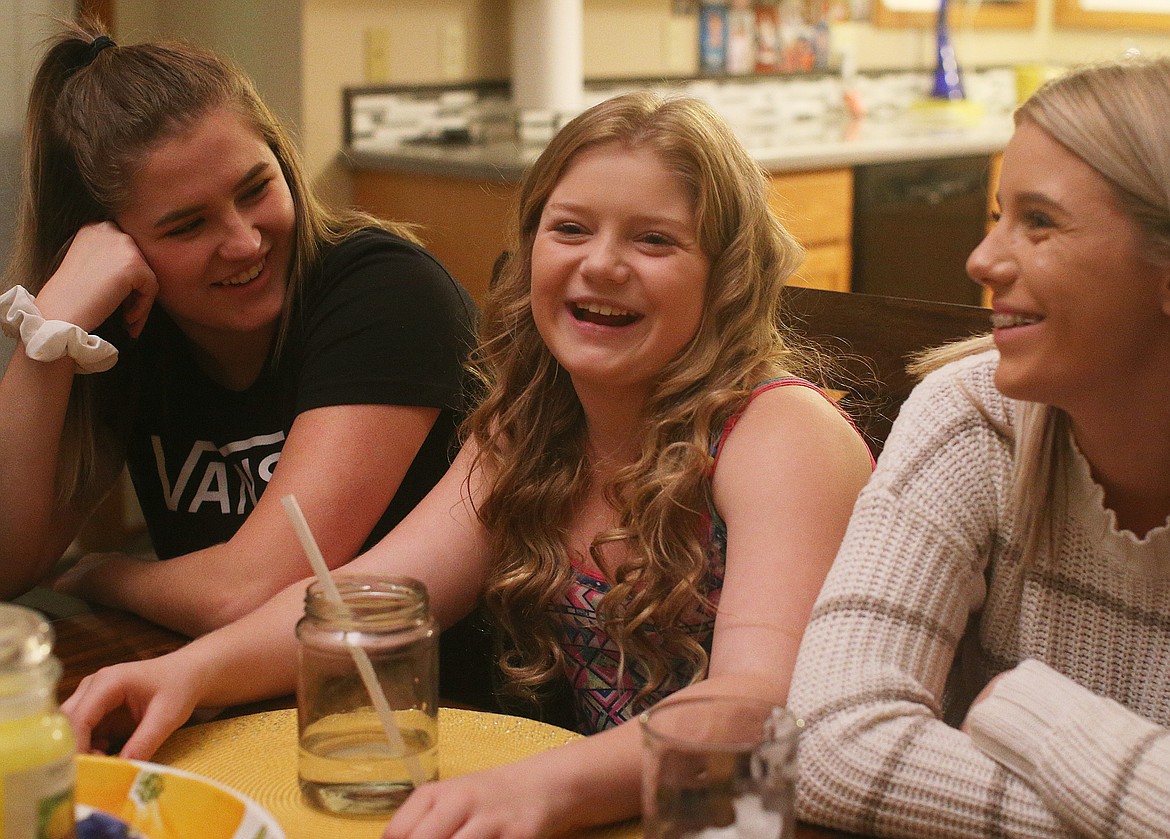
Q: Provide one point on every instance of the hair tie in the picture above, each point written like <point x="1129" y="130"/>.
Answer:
<point x="96" y="46"/>
<point x="49" y="340"/>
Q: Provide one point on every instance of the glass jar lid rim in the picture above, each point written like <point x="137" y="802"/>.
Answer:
<point x="369" y="598"/>
<point x="373" y="583"/>
<point x="26" y="638"/>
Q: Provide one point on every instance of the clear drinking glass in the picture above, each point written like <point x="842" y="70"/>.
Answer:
<point x="718" y="767"/>
<point x="347" y="763"/>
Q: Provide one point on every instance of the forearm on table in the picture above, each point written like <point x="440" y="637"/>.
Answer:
<point x="339" y="466"/>
<point x="192" y="594"/>
<point x="875" y="754"/>
<point x="590" y="781"/>
<point x="1108" y="775"/>
<point x="1102" y="768"/>
<point x="252" y="658"/>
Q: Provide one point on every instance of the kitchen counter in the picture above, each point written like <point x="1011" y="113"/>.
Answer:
<point x="462" y="195"/>
<point x="799" y="145"/>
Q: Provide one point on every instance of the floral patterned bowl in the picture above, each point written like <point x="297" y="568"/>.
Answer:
<point x="131" y="799"/>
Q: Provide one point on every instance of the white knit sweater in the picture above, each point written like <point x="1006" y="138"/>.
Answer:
<point x="929" y="599"/>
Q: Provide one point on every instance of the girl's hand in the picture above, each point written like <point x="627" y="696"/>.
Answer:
<point x="499" y="803"/>
<point x="139" y="704"/>
<point x="102" y="271"/>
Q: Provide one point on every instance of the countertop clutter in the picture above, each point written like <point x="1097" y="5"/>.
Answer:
<point x="788" y="123"/>
<point x="450" y="160"/>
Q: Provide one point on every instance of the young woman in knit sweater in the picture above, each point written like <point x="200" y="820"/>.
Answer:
<point x="988" y="655"/>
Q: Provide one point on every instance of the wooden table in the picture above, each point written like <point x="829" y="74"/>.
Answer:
<point x="92" y="640"/>
<point x="88" y="641"/>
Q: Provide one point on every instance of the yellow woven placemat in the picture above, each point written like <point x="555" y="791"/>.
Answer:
<point x="257" y="755"/>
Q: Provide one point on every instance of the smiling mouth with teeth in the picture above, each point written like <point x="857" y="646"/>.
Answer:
<point x="603" y="315"/>
<point x="244" y="277"/>
<point x="1001" y="320"/>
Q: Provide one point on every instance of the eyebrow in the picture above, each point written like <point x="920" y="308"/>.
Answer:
<point x="1040" y="198"/>
<point x="646" y="218"/>
<point x="183" y="212"/>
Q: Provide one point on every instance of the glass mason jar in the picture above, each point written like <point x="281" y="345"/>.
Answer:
<point x="37" y="770"/>
<point x="357" y="755"/>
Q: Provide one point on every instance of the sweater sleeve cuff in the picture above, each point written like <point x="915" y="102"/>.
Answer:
<point x="1013" y="723"/>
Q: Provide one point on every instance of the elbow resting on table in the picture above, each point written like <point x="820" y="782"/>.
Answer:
<point x="831" y="781"/>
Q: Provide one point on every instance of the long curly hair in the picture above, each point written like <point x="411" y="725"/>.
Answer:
<point x="93" y="116"/>
<point x="529" y="426"/>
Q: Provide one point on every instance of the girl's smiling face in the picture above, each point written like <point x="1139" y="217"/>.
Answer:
<point x="618" y="277"/>
<point x="213" y="216"/>
<point x="1077" y="298"/>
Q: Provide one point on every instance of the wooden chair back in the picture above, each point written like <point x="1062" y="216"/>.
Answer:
<point x="869" y="339"/>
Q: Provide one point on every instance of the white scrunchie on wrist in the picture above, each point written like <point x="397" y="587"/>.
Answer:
<point x="49" y="340"/>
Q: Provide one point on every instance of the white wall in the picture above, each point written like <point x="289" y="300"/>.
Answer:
<point x="263" y="36"/>
<point x="335" y="32"/>
<point x="24" y="24"/>
<point x="644" y="37"/>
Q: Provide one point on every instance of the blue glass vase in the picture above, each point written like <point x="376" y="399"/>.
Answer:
<point x="948" y="83"/>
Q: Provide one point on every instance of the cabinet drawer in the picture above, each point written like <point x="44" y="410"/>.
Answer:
<point x="827" y="267"/>
<point x="815" y="206"/>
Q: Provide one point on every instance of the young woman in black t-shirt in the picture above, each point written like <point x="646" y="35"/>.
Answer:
<point x="167" y="226"/>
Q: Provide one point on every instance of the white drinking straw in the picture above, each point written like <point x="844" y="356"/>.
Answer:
<point x="365" y="669"/>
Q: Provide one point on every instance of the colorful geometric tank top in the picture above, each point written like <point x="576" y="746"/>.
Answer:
<point x="591" y="655"/>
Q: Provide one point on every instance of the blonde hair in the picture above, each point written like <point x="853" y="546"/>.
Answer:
<point x="530" y="427"/>
<point x="1112" y="116"/>
<point x="93" y="115"/>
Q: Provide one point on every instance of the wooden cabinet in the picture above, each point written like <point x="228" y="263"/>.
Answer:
<point x="462" y="221"/>
<point x="817" y="207"/>
<point x="825" y="266"/>
<point x="1131" y="16"/>
<point x="1003" y="14"/>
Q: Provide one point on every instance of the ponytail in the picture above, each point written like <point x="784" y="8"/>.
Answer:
<point x="55" y="201"/>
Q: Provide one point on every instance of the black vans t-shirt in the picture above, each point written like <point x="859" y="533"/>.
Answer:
<point x="381" y="323"/>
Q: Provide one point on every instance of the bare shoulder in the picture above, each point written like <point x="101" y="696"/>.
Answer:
<point x="792" y="431"/>
<point x="797" y="415"/>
